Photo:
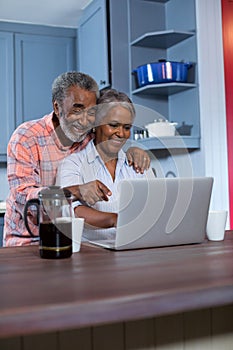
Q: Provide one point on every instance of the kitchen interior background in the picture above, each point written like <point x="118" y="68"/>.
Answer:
<point x="212" y="158"/>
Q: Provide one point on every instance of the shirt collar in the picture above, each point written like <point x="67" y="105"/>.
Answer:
<point x="92" y="154"/>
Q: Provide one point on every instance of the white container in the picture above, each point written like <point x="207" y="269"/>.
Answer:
<point x="161" y="128"/>
<point x="216" y="224"/>
<point x="77" y="231"/>
<point x="2" y="207"/>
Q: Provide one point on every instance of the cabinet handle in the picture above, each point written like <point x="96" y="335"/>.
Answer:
<point x="102" y="82"/>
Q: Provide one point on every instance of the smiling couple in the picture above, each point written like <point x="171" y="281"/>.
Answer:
<point x="103" y="160"/>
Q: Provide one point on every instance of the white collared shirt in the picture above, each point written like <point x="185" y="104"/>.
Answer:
<point x="86" y="166"/>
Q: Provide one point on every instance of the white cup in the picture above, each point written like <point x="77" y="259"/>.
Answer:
<point x="77" y="231"/>
<point x="216" y="224"/>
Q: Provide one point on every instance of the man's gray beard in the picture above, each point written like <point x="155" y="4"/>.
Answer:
<point x="74" y="137"/>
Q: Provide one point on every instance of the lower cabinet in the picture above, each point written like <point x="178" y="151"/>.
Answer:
<point x="197" y="329"/>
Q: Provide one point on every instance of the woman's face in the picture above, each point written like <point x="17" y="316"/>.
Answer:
<point x="114" y="131"/>
<point x="77" y="114"/>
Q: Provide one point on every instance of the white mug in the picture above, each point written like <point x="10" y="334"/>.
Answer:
<point x="77" y="231"/>
<point x="216" y="223"/>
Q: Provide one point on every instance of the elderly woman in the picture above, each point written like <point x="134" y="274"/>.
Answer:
<point x="103" y="159"/>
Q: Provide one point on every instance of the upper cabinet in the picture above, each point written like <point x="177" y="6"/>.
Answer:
<point x="31" y="57"/>
<point x="39" y="59"/>
<point x="92" y="36"/>
<point x="102" y="42"/>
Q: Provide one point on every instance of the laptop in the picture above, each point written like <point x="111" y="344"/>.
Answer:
<point x="161" y="212"/>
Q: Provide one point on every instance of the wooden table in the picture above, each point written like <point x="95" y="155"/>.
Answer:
<point x="97" y="286"/>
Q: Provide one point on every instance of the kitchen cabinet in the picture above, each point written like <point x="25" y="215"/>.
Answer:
<point x="93" y="43"/>
<point x="39" y="60"/>
<point x="6" y="90"/>
<point x="141" y="32"/>
<point x="167" y="31"/>
<point x="31" y="57"/>
<point x="102" y="42"/>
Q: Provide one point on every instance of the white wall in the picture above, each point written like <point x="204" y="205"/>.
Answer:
<point x="212" y="99"/>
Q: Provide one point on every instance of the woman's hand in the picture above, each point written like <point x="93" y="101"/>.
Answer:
<point x="138" y="158"/>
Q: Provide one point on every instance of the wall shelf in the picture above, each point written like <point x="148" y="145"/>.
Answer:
<point x="163" y="89"/>
<point x="170" y="142"/>
<point x="167" y="30"/>
<point x="163" y="1"/>
<point x="162" y="39"/>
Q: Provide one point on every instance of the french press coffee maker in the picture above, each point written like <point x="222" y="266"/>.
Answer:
<point x="54" y="215"/>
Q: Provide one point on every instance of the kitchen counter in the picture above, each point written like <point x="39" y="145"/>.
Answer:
<point x="97" y="286"/>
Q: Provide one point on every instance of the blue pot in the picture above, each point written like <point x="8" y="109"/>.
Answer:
<point x="161" y="72"/>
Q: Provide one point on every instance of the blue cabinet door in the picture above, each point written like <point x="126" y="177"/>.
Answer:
<point x="7" y="116"/>
<point x="39" y="59"/>
<point x="93" y="43"/>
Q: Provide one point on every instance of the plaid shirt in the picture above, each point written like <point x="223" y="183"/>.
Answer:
<point x="34" y="153"/>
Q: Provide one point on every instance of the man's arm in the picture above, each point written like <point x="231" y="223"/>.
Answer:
<point x="70" y="176"/>
<point x="138" y="158"/>
<point x="23" y="170"/>
<point x="24" y="184"/>
<point x="90" y="193"/>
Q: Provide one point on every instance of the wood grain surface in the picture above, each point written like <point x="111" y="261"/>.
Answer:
<point x="98" y="286"/>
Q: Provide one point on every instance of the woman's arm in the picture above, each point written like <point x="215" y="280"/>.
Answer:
<point x="95" y="218"/>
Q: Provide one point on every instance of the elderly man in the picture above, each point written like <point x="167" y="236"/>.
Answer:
<point x="36" y="148"/>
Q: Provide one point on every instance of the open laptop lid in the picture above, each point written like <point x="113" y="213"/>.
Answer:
<point x="162" y="212"/>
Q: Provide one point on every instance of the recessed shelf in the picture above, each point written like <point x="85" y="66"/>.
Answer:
<point x="163" y="89"/>
<point x="176" y="42"/>
<point x="162" y="39"/>
<point x="163" y="1"/>
<point x="170" y="142"/>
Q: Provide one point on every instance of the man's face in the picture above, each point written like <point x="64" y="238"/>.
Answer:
<point x="77" y="114"/>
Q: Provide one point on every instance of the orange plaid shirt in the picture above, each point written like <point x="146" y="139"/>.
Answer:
<point x="34" y="152"/>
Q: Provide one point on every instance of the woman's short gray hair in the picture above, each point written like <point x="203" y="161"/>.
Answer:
<point x="64" y="81"/>
<point x="109" y="99"/>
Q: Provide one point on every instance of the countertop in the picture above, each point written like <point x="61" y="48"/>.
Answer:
<point x="97" y="286"/>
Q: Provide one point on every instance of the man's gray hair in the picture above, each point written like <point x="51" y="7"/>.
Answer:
<point x="64" y="81"/>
